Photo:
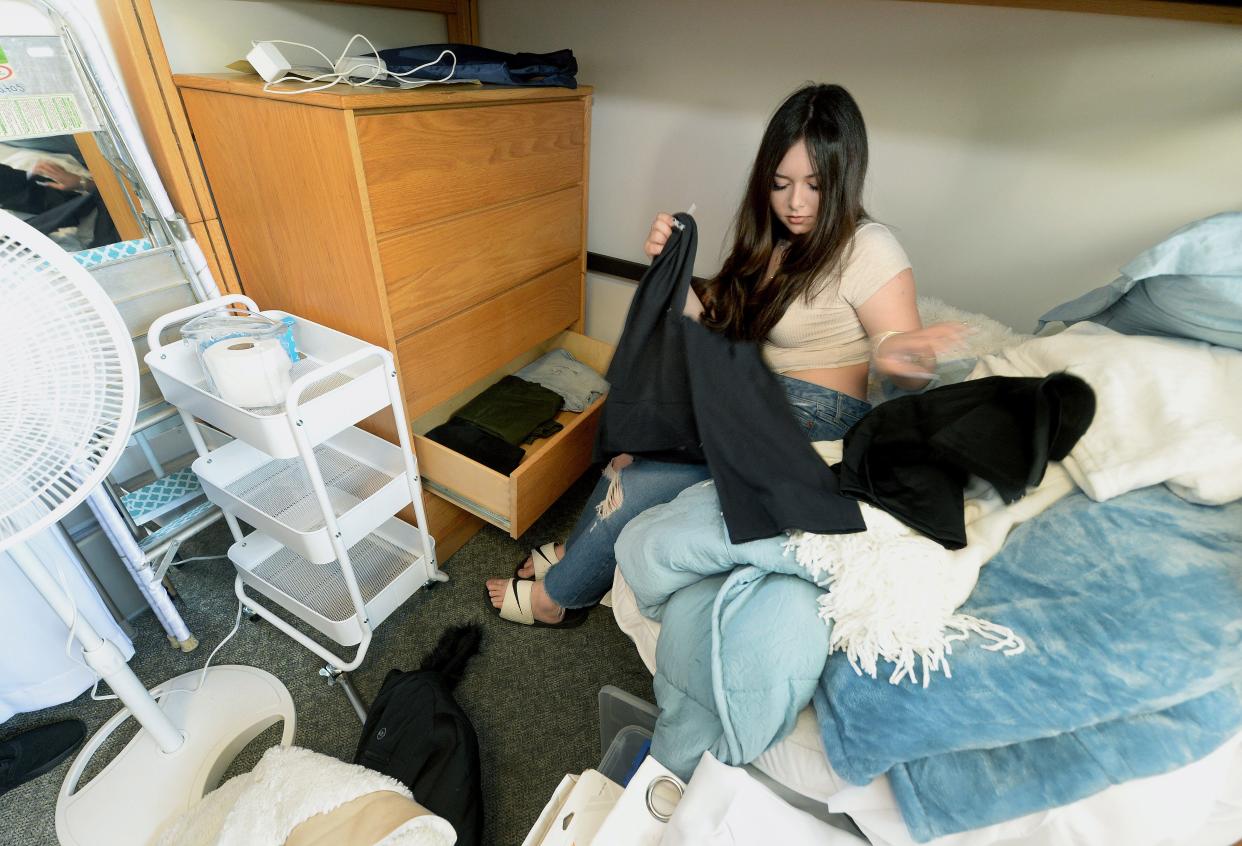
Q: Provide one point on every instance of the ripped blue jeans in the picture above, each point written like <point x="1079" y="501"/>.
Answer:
<point x="584" y="575"/>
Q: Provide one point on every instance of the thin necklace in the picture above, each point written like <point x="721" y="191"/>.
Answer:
<point x="778" y="252"/>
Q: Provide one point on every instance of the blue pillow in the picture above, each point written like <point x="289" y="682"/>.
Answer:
<point x="1187" y="286"/>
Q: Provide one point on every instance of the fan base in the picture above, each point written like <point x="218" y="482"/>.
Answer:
<point x="143" y="788"/>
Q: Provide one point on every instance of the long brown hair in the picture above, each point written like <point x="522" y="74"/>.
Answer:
<point x="739" y="301"/>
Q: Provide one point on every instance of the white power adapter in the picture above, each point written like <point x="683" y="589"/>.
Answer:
<point x="364" y="67"/>
<point x="357" y="71"/>
<point x="267" y="60"/>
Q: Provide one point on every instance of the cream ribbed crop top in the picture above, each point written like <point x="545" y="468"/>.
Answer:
<point x="823" y="330"/>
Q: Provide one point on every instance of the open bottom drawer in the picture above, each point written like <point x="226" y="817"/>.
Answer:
<point x="551" y="464"/>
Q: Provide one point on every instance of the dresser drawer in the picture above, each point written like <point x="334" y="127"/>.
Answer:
<point x="424" y="165"/>
<point x="551" y="464"/>
<point x="435" y="362"/>
<point x="432" y="272"/>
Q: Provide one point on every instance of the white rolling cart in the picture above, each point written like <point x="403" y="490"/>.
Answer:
<point x="320" y="493"/>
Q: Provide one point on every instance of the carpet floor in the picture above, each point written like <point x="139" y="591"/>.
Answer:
<point x="531" y="693"/>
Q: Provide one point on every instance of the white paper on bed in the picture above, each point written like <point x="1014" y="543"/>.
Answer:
<point x="893" y="594"/>
<point x="726" y="806"/>
<point x="1167" y="410"/>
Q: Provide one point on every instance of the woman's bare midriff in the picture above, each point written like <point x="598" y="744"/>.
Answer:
<point x="851" y="379"/>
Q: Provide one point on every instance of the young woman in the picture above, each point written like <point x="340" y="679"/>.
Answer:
<point x="826" y="289"/>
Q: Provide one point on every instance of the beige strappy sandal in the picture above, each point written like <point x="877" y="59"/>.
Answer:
<point x="544" y="558"/>
<point x="519" y="608"/>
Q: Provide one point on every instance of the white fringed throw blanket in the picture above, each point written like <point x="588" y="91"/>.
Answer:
<point x="893" y="594"/>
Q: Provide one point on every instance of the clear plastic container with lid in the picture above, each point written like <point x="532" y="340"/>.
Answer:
<point x="626" y="725"/>
<point x="246" y="357"/>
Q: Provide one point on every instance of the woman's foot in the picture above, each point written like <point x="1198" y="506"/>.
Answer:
<point x="542" y="606"/>
<point x="527" y="570"/>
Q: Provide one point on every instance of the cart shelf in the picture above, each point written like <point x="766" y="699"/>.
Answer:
<point x="389" y="565"/>
<point x="338" y="399"/>
<point x="364" y="476"/>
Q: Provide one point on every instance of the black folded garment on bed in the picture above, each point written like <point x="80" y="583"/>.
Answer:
<point x="912" y="456"/>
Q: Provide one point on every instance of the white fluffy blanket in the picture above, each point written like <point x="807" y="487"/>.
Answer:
<point x="288" y="786"/>
<point x="1167" y="410"/>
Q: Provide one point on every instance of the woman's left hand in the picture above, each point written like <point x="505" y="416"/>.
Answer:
<point x="913" y="354"/>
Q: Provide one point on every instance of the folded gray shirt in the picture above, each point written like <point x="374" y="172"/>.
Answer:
<point x="560" y="372"/>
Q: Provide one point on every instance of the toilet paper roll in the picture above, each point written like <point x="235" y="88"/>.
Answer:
<point x="249" y="373"/>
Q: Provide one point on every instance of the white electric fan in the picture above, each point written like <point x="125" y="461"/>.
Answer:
<point x="68" y="390"/>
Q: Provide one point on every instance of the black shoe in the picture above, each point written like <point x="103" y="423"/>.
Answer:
<point x="35" y="751"/>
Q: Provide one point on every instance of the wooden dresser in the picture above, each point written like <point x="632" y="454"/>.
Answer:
<point x="447" y="224"/>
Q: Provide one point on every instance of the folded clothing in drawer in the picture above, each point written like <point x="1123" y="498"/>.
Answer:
<point x="489" y="428"/>
<point x="477" y="445"/>
<point x="514" y="410"/>
<point x="557" y="370"/>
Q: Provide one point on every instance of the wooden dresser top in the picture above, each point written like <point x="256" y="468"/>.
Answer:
<point x="345" y="97"/>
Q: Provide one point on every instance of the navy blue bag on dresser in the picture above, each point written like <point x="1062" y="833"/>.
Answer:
<point x="558" y="68"/>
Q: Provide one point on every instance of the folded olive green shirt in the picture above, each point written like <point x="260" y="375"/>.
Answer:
<point x="514" y="410"/>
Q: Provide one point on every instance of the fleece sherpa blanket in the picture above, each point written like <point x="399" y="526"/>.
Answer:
<point x="288" y="786"/>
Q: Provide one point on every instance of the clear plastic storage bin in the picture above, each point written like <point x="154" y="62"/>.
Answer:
<point x="628" y="749"/>
<point x="626" y="723"/>
<point x="618" y="709"/>
<point x="245" y="356"/>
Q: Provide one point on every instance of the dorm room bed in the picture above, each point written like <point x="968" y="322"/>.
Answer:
<point x="1196" y="805"/>
<point x="1198" y="802"/>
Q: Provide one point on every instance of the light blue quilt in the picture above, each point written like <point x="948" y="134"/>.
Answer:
<point x="1131" y="610"/>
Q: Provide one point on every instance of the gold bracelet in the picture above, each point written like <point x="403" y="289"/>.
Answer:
<point x="884" y="336"/>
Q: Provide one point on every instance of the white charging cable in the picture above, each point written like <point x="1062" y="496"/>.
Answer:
<point x="73" y="626"/>
<point x="335" y="77"/>
<point x="202" y="677"/>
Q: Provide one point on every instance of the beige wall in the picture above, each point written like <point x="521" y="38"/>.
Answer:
<point x="203" y="36"/>
<point x="1022" y="156"/>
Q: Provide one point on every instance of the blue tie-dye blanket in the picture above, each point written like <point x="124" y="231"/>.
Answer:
<point x="1131" y="611"/>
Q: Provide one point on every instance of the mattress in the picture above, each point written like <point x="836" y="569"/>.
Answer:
<point x="1196" y="805"/>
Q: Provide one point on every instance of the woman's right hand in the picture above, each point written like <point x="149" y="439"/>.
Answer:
<point x="661" y="231"/>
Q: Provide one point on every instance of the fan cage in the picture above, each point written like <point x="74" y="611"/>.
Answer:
<point x="67" y="383"/>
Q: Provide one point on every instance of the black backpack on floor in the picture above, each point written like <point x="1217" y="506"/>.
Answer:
<point x="417" y="733"/>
